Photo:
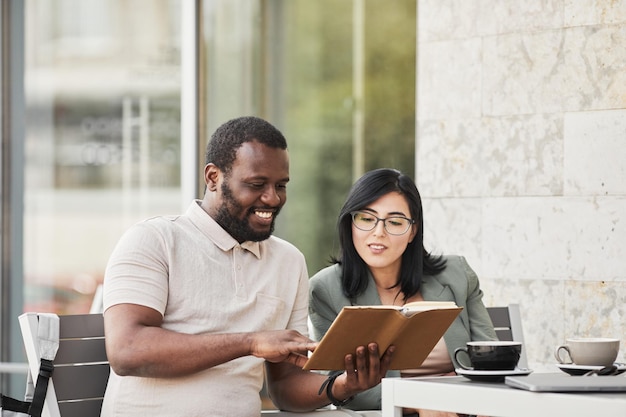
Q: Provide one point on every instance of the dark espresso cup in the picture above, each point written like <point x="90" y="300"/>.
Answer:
<point x="490" y="355"/>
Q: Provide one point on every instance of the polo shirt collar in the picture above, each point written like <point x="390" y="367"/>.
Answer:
<point x="220" y="237"/>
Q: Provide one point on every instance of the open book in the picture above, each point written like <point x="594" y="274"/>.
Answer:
<point x="414" y="329"/>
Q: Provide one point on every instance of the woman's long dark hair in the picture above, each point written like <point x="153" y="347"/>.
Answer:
<point x="416" y="261"/>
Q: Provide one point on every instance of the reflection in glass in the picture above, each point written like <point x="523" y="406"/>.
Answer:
<point x="102" y="147"/>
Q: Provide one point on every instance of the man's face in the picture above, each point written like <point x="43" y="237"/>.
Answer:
<point x="252" y="194"/>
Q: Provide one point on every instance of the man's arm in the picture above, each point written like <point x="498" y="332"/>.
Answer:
<point x="138" y="346"/>
<point x="294" y="389"/>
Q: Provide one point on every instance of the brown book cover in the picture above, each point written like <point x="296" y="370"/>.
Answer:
<point x="414" y="329"/>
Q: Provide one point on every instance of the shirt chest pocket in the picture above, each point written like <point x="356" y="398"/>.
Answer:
<point x="270" y="312"/>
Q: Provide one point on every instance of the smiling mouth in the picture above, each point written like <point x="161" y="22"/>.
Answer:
<point x="375" y="246"/>
<point x="265" y="215"/>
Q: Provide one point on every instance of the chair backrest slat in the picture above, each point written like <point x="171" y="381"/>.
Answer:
<point x="504" y="334"/>
<point x="81" y="326"/>
<point x="80" y="382"/>
<point x="500" y="317"/>
<point x="81" y="351"/>
<point x="81" y="408"/>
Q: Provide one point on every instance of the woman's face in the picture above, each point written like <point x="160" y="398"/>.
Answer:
<point x="381" y="250"/>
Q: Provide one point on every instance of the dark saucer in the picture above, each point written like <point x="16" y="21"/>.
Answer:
<point x="579" y="370"/>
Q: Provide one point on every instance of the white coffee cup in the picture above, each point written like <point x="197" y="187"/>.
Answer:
<point x="589" y="351"/>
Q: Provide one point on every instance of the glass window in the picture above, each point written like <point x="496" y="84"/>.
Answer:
<point x="337" y="77"/>
<point x="102" y="141"/>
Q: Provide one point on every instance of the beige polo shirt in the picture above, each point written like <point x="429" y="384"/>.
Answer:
<point x="202" y="280"/>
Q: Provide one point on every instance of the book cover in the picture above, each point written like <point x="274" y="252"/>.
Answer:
<point x="414" y="329"/>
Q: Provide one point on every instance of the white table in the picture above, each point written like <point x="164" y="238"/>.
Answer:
<point x="459" y="394"/>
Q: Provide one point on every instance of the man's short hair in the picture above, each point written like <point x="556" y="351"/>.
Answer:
<point x="222" y="147"/>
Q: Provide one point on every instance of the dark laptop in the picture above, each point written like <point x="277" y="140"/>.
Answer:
<point x="567" y="383"/>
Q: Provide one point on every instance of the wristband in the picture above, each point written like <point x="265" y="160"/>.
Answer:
<point x="328" y="384"/>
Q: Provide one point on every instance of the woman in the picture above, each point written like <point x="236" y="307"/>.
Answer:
<point x="382" y="260"/>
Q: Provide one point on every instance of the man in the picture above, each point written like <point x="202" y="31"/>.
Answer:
<point x="195" y="304"/>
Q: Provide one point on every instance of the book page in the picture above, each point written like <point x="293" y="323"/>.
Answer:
<point x="416" y="306"/>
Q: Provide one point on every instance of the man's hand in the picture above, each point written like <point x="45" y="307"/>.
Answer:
<point x="364" y="373"/>
<point x="282" y="346"/>
<point x="293" y="389"/>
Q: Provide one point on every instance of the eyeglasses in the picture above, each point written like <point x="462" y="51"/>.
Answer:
<point x="393" y="225"/>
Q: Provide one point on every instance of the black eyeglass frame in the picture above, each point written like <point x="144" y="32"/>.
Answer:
<point x="378" y="219"/>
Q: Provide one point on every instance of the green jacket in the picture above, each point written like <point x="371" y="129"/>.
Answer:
<point x="457" y="282"/>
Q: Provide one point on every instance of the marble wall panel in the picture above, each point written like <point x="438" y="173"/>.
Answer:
<point x="592" y="73"/>
<point x="447" y="19"/>
<point x="592" y="12"/>
<point x="491" y="156"/>
<point x="521" y="73"/>
<point x="499" y="17"/>
<point x="453" y="226"/>
<point x="449" y="79"/>
<point x="456" y="19"/>
<point x="450" y="157"/>
<point x="555" y="238"/>
<point x="572" y="69"/>
<point x="523" y="155"/>
<point x="595" y="153"/>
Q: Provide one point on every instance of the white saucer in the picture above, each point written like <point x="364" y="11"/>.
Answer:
<point x="491" y="376"/>
<point x="574" y="369"/>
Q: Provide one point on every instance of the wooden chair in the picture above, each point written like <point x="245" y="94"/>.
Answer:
<point x="508" y="324"/>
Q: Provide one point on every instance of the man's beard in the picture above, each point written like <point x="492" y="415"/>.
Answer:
<point x="239" y="229"/>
